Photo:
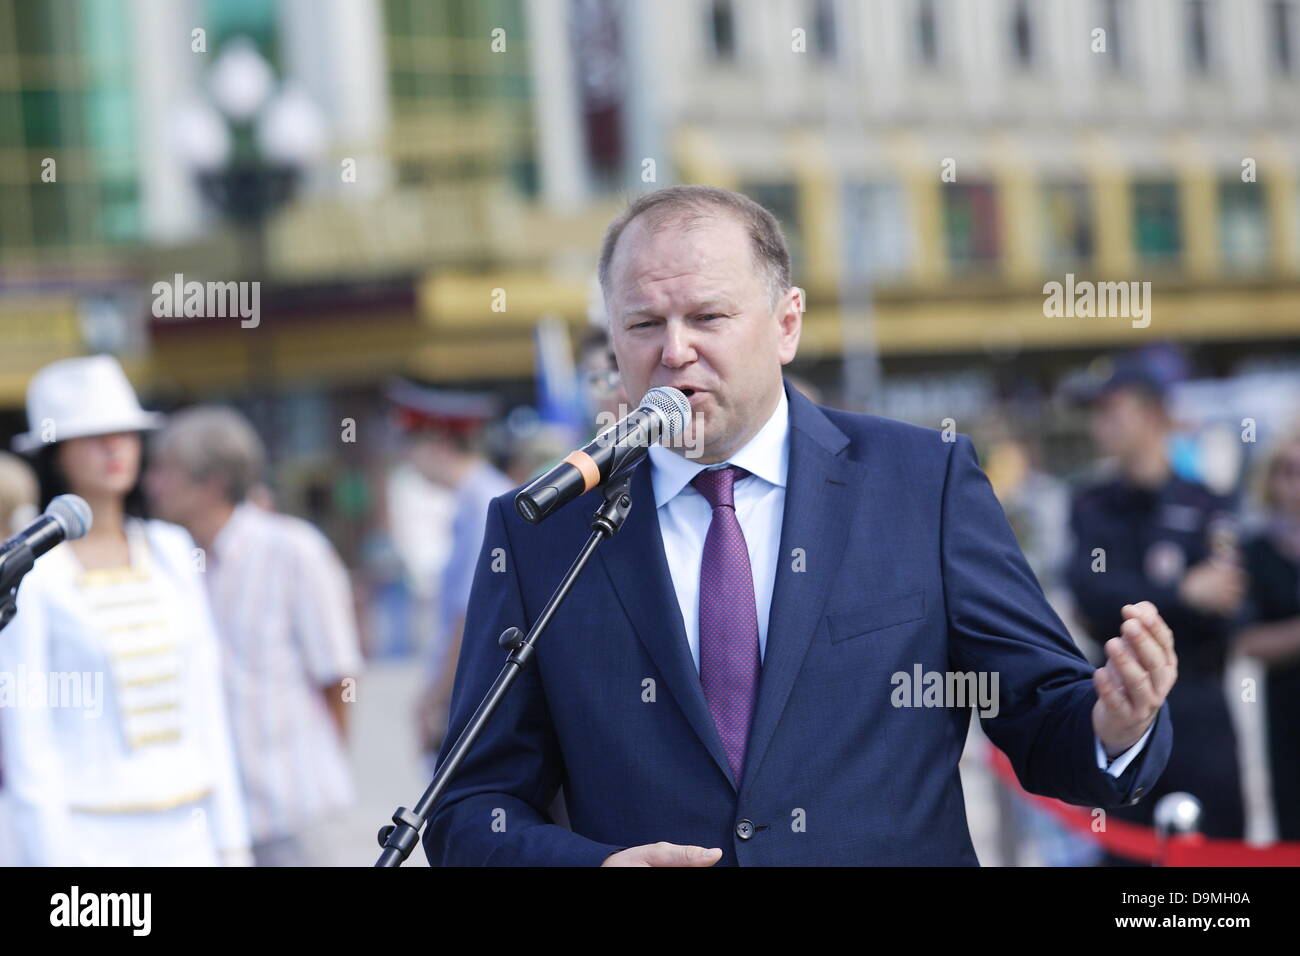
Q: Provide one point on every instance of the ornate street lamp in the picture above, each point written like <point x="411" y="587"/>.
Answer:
<point x="249" y="144"/>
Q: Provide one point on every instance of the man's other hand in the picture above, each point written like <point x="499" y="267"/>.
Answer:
<point x="1140" y="669"/>
<point x="664" y="854"/>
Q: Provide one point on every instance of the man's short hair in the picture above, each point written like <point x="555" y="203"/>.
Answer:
<point x="688" y="205"/>
<point x="213" y="441"/>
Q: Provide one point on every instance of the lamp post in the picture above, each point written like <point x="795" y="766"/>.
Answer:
<point x="248" y="144"/>
<point x="250" y="141"/>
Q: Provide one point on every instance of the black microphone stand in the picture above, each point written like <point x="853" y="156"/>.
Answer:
<point x="400" y="837"/>
<point x="14" y="563"/>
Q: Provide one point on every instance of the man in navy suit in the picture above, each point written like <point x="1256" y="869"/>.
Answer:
<point x="760" y="667"/>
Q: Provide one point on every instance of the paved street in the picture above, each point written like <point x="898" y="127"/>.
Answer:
<point x="388" y="769"/>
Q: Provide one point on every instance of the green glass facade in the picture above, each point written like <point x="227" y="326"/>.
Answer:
<point x="448" y="64"/>
<point x="66" y="96"/>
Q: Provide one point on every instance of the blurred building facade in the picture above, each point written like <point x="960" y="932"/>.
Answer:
<point x="934" y="162"/>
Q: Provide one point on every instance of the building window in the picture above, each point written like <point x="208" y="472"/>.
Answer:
<point x="971" y="226"/>
<point x="1067" y="224"/>
<point x="1295" y="224"/>
<point x="1112" y="23"/>
<point x="927" y="33"/>
<point x="1243" y="225"/>
<point x="823" y="18"/>
<point x="1282" y="29"/>
<point x="51" y="223"/>
<point x="1198" y="35"/>
<point x="254" y="19"/>
<point x="878" y="242"/>
<point x="594" y="29"/>
<point x="441" y="76"/>
<point x="782" y="201"/>
<point x="68" y="88"/>
<point x="722" y="29"/>
<point x="1157" y="227"/>
<point x="1022" y="35"/>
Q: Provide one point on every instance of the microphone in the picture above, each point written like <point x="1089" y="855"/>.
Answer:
<point x="66" y="519"/>
<point x="664" y="413"/>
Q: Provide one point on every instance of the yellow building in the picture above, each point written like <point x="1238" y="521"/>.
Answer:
<point x="935" y="163"/>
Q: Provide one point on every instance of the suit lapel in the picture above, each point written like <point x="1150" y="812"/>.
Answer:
<point x="822" y="493"/>
<point x="638" y="571"/>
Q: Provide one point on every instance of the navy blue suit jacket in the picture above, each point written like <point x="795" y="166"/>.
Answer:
<point x="894" y="553"/>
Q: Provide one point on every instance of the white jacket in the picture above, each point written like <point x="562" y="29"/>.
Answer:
<point x="133" y="725"/>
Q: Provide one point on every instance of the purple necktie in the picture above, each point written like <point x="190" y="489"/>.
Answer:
<point x="729" y="661"/>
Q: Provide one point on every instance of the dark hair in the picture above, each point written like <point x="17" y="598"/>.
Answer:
<point x="53" y="482"/>
<point x="691" y="204"/>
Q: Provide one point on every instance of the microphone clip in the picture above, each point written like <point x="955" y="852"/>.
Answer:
<point x="610" y="516"/>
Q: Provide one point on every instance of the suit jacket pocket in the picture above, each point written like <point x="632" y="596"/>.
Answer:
<point x="876" y="615"/>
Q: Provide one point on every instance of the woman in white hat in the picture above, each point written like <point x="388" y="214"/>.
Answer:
<point x="118" y="751"/>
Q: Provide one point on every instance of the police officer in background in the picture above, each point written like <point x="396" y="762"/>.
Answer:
<point x="445" y="440"/>
<point x="1146" y="533"/>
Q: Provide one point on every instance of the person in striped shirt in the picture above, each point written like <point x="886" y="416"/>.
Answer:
<point x="283" y="606"/>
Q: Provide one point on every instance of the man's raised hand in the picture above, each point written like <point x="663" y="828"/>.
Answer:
<point x="1140" y="669"/>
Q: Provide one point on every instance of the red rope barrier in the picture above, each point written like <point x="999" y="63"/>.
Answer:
<point x="1119" y="836"/>
<point x="1143" y="843"/>
<point x="1196" y="850"/>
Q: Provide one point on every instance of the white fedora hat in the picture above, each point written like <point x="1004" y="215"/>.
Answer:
<point x="80" y="397"/>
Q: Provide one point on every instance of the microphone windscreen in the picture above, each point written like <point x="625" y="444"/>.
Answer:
<point x="673" y="407"/>
<point x="72" y="513"/>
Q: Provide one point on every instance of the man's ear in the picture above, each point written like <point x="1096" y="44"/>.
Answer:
<point x="790" y="317"/>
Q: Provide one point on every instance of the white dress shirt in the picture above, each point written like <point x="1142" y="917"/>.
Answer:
<point x="684" y="516"/>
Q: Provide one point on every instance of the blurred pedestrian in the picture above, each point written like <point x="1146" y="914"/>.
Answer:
<point x="1272" y="560"/>
<point x="606" y="400"/>
<point x="18" y="497"/>
<point x="284" y="611"/>
<point x="1146" y="533"/>
<point x="444" y="439"/>
<point x="1037" y="505"/>
<point x="18" y="494"/>
<point x="119" y="615"/>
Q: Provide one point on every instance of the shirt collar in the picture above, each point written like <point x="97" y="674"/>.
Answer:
<point x="766" y="456"/>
